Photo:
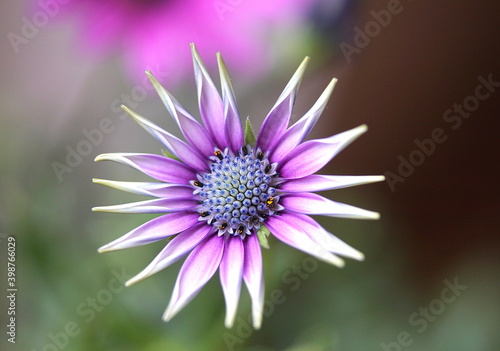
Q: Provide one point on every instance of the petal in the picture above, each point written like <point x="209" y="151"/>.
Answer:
<point x="282" y="227"/>
<point x="327" y="240"/>
<point x="278" y="118"/>
<point x="183" y="151"/>
<point x="314" y="204"/>
<point x="318" y="182"/>
<point x="156" y="166"/>
<point x="297" y="132"/>
<point x="312" y="155"/>
<point x="209" y="101"/>
<point x="149" y="189"/>
<point x="175" y="249"/>
<point x="154" y="230"/>
<point x="231" y="272"/>
<point x="193" y="131"/>
<point x="151" y="206"/>
<point x="198" y="268"/>
<point x="234" y="132"/>
<point x="254" y="278"/>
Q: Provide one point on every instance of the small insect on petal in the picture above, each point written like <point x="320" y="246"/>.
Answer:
<point x="219" y="155"/>
<point x="271" y="202"/>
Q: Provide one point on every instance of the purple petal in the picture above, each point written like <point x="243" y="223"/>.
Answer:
<point x="254" y="278"/>
<point x="175" y="249"/>
<point x="152" y="206"/>
<point x="312" y="155"/>
<point x="297" y="132"/>
<point x="318" y="182"/>
<point x="209" y="101"/>
<point x="282" y="227"/>
<point x="154" y="230"/>
<point x="183" y="151"/>
<point x="149" y="189"/>
<point x="156" y="166"/>
<point x="234" y="132"/>
<point x="192" y="130"/>
<point x="278" y="118"/>
<point x="314" y="204"/>
<point x="231" y="272"/>
<point x="327" y="240"/>
<point x="198" y="268"/>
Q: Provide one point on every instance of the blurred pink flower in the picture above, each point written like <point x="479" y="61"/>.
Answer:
<point x="153" y="34"/>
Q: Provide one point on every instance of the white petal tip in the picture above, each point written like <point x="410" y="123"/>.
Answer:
<point x="228" y="324"/>
<point x="257" y="321"/>
<point x="131" y="281"/>
<point x="304" y="62"/>
<point x="169" y="314"/>
<point x="375" y="179"/>
<point x="337" y="261"/>
<point x="109" y="247"/>
<point x="354" y="254"/>
<point x="230" y="317"/>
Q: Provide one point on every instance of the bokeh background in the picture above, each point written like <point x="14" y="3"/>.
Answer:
<point x="440" y="221"/>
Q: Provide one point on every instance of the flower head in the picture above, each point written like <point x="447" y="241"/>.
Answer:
<point x="153" y="33"/>
<point x="223" y="191"/>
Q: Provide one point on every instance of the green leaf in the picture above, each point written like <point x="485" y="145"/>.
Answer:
<point x="262" y="235"/>
<point x="169" y="155"/>
<point x="249" y="134"/>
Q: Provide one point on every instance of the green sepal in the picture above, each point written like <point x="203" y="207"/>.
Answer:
<point x="169" y="155"/>
<point x="249" y="134"/>
<point x="262" y="235"/>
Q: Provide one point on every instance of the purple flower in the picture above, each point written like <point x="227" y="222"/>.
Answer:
<point x="223" y="191"/>
<point x="153" y="33"/>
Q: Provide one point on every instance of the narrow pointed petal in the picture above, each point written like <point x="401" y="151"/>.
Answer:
<point x="294" y="135"/>
<point x="183" y="151"/>
<point x="175" y="249"/>
<point x="234" y="132"/>
<point x="231" y="273"/>
<point x="149" y="189"/>
<point x="254" y="278"/>
<point x="193" y="131"/>
<point x="278" y="118"/>
<point x="315" y="204"/>
<point x="151" y="206"/>
<point x="312" y="155"/>
<point x="156" y="166"/>
<point x="154" y="230"/>
<point x="198" y="268"/>
<point x="209" y="101"/>
<point x="318" y="182"/>
<point x="282" y="227"/>
<point x="327" y="240"/>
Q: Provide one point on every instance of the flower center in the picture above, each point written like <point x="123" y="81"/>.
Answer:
<point x="239" y="192"/>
